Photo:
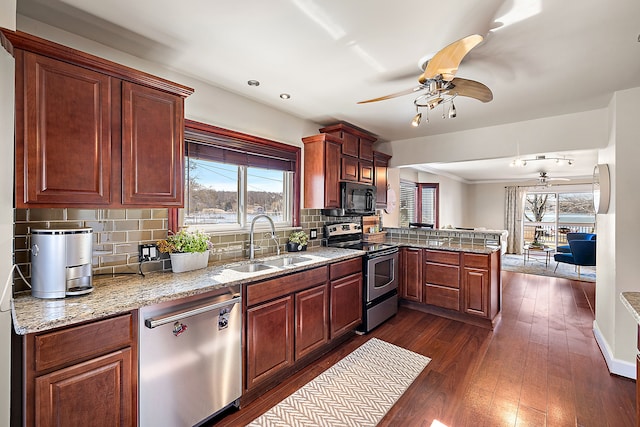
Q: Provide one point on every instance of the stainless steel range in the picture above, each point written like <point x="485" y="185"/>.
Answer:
<point x="380" y="269"/>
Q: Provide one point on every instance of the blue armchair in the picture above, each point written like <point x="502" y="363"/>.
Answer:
<point x="583" y="252"/>
<point x="575" y="236"/>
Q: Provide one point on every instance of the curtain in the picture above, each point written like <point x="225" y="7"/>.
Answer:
<point x="514" y="206"/>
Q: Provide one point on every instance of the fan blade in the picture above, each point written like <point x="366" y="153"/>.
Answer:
<point x="447" y="60"/>
<point x="470" y="88"/>
<point x="393" y="95"/>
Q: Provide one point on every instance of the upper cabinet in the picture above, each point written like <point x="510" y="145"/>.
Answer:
<point x="357" y="152"/>
<point x="92" y="133"/>
<point x="380" y="164"/>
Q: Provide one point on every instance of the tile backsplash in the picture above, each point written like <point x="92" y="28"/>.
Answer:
<point x="118" y="232"/>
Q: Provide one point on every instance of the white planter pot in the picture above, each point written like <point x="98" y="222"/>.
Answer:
<point x="189" y="261"/>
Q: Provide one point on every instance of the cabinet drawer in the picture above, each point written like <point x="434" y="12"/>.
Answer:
<point x="443" y="275"/>
<point x="59" y="348"/>
<point x="345" y="268"/>
<point x="442" y="297"/>
<point x="443" y="257"/>
<point x="476" y="261"/>
<point x="275" y="288"/>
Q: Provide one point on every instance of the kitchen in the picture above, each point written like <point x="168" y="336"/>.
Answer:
<point x="290" y="129"/>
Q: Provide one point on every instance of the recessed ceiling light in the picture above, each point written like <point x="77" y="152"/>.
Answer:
<point x="253" y="83"/>
<point x="285" y="96"/>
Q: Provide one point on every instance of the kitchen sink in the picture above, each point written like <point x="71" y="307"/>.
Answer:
<point x="250" y="268"/>
<point x="285" y="261"/>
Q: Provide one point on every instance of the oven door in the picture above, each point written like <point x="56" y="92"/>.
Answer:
<point x="381" y="275"/>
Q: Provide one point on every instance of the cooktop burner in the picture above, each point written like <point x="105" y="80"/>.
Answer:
<point x="349" y="236"/>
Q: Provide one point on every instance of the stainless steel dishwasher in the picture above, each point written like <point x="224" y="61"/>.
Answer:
<point x="190" y="360"/>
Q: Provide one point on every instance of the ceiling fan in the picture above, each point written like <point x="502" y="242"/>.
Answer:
<point x="438" y="81"/>
<point x="545" y="180"/>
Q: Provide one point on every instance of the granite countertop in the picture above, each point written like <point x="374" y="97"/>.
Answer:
<point x="121" y="293"/>
<point x="456" y="247"/>
<point x="631" y="300"/>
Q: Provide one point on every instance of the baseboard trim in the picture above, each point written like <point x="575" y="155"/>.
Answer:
<point x="616" y="367"/>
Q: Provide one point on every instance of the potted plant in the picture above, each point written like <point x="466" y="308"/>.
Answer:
<point x="297" y="241"/>
<point x="189" y="250"/>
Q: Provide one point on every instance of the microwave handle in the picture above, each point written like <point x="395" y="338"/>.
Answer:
<point x="369" y="200"/>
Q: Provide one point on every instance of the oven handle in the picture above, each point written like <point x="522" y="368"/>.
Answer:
<point x="188" y="312"/>
<point x="383" y="253"/>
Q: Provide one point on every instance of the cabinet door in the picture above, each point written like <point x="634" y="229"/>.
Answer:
<point x="366" y="149"/>
<point x="349" y="168"/>
<point x="366" y="172"/>
<point x="152" y="147"/>
<point x="332" y="175"/>
<point x="346" y="304"/>
<point x="269" y="339"/>
<point x="380" y="166"/>
<point x="411" y="267"/>
<point x="312" y="319"/>
<point x="63" y="133"/>
<point x="96" y="393"/>
<point x="350" y="144"/>
<point x="476" y="292"/>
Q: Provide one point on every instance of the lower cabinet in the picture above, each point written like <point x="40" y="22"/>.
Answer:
<point x="96" y="392"/>
<point x="291" y="318"/>
<point x="346" y="296"/>
<point x="461" y="285"/>
<point x="442" y="279"/>
<point x="312" y="319"/>
<point x="411" y="273"/>
<point x="82" y="375"/>
<point x="269" y="339"/>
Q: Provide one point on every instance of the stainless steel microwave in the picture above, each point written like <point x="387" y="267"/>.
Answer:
<point x="355" y="200"/>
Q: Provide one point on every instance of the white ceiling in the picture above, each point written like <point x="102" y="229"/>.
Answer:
<point x="540" y="58"/>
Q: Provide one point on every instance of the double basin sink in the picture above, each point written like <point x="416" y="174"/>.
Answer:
<point x="253" y="267"/>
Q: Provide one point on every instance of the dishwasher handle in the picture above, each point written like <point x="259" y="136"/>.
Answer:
<point x="154" y="322"/>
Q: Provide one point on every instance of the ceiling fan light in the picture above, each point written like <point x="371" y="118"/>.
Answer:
<point x="452" y="111"/>
<point x="416" y="120"/>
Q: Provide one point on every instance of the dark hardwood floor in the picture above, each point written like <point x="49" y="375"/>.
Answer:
<point x="541" y="365"/>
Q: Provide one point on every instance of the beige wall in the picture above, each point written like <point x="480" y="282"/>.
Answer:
<point x="579" y="131"/>
<point x="617" y="252"/>
<point x="7" y="20"/>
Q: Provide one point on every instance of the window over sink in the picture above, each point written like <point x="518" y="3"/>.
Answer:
<point x="232" y="177"/>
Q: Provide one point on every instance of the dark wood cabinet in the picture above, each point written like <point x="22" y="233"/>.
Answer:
<point x="269" y="339"/>
<point x="349" y="169"/>
<point x="411" y="281"/>
<point x="63" y="133"/>
<point x="152" y="147"/>
<point x="356" y="152"/>
<point x="366" y="172"/>
<point x="82" y="375"/>
<point x="92" y="133"/>
<point x="481" y="276"/>
<point x="291" y="320"/>
<point x="442" y="279"/>
<point x="460" y="285"/>
<point x="346" y="296"/>
<point x="286" y="318"/>
<point x="96" y="392"/>
<point x="380" y="167"/>
<point x="322" y="171"/>
<point x="312" y="319"/>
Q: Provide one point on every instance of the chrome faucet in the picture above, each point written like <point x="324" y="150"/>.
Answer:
<point x="252" y="250"/>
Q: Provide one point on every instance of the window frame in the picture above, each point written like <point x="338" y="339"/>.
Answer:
<point x="257" y="151"/>
<point x="418" y="187"/>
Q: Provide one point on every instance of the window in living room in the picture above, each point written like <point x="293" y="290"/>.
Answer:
<point x="549" y="216"/>
<point x="418" y="203"/>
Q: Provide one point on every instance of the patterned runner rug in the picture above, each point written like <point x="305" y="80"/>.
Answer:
<point x="357" y="391"/>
